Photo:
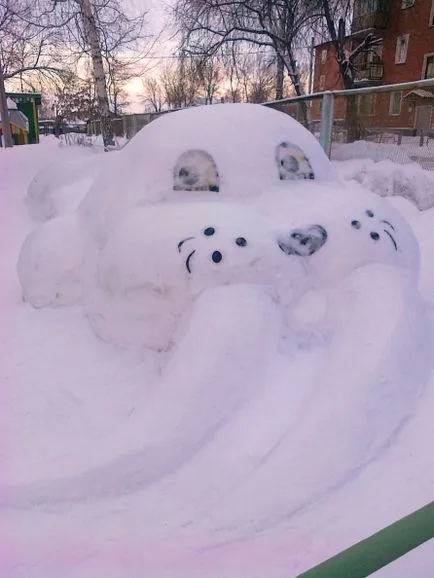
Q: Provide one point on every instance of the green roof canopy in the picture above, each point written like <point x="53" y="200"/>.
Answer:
<point x="35" y="97"/>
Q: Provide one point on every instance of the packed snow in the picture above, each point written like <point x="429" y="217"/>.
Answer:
<point x="261" y="395"/>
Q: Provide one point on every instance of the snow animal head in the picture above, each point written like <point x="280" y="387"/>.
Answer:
<point x="224" y="152"/>
<point x="362" y="228"/>
<point x="161" y="257"/>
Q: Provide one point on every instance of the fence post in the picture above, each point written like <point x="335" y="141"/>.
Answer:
<point x="380" y="549"/>
<point x="327" y="122"/>
<point x="133" y="125"/>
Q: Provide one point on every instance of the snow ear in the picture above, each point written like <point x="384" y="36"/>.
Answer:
<point x="303" y="242"/>
<point x="292" y="163"/>
<point x="196" y="171"/>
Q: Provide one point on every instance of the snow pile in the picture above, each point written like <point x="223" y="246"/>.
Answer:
<point x="59" y="187"/>
<point x="370" y="150"/>
<point x="283" y="347"/>
<point x="387" y="179"/>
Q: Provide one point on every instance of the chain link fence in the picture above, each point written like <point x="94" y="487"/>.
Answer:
<point x="394" y="122"/>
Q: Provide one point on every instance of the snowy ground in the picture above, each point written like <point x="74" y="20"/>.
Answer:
<point x="63" y="388"/>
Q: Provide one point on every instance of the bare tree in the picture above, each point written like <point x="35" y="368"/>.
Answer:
<point x="28" y="49"/>
<point x="153" y="94"/>
<point x="74" y="100"/>
<point x="209" y="72"/>
<point x="347" y="53"/>
<point x="229" y="57"/>
<point x="280" y="25"/>
<point x="181" y="83"/>
<point x="95" y="29"/>
<point x="256" y="75"/>
<point x="118" y="75"/>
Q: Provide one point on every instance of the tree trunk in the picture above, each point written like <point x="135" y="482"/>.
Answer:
<point x="4" y="113"/>
<point x="280" y="74"/>
<point x="92" y="41"/>
<point x="338" y="40"/>
<point x="298" y="90"/>
<point x="352" y="120"/>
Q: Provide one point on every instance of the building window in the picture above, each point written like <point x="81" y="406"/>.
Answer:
<point x="324" y="56"/>
<point x="366" y="104"/>
<point x="322" y="82"/>
<point x="395" y="103"/>
<point x="407" y="3"/>
<point x="428" y="67"/>
<point x="401" y="49"/>
<point x="431" y="16"/>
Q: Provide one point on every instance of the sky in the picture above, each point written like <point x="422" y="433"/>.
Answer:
<point x="162" y="50"/>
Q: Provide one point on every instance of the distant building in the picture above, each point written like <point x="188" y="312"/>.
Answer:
<point x="405" y="54"/>
<point x="19" y="125"/>
<point x="28" y="104"/>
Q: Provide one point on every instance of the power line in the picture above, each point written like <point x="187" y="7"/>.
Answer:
<point x="270" y="52"/>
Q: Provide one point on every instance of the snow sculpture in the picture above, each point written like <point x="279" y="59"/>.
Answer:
<point x="148" y="274"/>
<point x="226" y="219"/>
<point x="229" y="152"/>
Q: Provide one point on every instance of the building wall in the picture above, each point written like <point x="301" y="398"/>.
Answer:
<point x="414" y="21"/>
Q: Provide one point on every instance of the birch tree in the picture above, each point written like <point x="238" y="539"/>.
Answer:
<point x="29" y="51"/>
<point x="94" y="29"/>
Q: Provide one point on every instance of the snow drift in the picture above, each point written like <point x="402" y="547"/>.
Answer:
<point x="388" y="179"/>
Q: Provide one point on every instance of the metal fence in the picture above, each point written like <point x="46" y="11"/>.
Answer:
<point x="380" y="549"/>
<point x="126" y="126"/>
<point x="399" y="115"/>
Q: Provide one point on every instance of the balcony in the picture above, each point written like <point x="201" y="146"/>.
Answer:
<point x="369" y="73"/>
<point x="376" y="20"/>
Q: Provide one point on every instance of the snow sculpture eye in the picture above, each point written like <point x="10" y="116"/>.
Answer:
<point x="196" y="171"/>
<point x="292" y="163"/>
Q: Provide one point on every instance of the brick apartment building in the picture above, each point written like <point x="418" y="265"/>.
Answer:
<point x="405" y="54"/>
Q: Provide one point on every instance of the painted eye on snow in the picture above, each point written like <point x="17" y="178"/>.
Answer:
<point x="196" y="171"/>
<point x="292" y="163"/>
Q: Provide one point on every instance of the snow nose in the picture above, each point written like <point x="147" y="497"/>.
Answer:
<point x="303" y="242"/>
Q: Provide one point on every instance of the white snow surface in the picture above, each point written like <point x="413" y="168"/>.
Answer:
<point x="371" y="150"/>
<point x="60" y="186"/>
<point x="389" y="179"/>
<point x="290" y="414"/>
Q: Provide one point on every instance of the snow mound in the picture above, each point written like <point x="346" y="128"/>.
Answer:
<point x="60" y="187"/>
<point x="387" y="179"/>
<point x="371" y="150"/>
<point x="49" y="275"/>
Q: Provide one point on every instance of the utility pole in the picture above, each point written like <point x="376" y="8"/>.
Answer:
<point x="4" y="112"/>
<point x="311" y="52"/>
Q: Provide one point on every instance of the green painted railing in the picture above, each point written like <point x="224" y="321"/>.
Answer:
<point x="380" y="549"/>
